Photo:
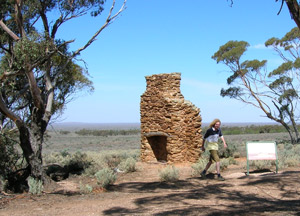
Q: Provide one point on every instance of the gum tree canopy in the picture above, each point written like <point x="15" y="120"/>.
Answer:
<point x="38" y="71"/>
<point x="276" y="93"/>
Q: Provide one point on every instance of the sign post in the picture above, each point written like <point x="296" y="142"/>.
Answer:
<point x="265" y="150"/>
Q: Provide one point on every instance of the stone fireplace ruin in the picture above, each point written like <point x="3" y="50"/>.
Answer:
<point x="170" y="125"/>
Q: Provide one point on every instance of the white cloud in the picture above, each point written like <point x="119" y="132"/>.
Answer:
<point x="258" y="46"/>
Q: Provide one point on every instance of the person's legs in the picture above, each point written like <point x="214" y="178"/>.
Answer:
<point x="215" y="156"/>
<point x="218" y="167"/>
<point x="207" y="166"/>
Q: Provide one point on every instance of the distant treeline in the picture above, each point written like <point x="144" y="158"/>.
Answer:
<point x="226" y="130"/>
<point x="252" y="129"/>
<point x="85" y="132"/>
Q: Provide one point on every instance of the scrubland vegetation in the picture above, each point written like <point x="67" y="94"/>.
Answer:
<point x="103" y="156"/>
<point x="118" y="150"/>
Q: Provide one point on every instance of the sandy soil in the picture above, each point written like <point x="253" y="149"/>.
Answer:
<point x="141" y="193"/>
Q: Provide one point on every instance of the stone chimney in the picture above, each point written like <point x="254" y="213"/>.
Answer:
<point x="170" y="125"/>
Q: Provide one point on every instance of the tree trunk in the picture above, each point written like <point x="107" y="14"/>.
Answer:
<point x="288" y="129"/>
<point x="294" y="124"/>
<point x="37" y="131"/>
<point x="31" y="144"/>
<point x="294" y="9"/>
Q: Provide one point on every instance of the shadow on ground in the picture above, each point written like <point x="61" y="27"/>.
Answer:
<point x="266" y="194"/>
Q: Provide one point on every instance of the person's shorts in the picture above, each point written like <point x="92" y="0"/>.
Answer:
<point x="214" y="157"/>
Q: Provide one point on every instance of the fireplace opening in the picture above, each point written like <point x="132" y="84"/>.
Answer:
<point x="159" y="147"/>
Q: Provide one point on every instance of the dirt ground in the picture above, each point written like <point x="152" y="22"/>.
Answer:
<point x="141" y="193"/>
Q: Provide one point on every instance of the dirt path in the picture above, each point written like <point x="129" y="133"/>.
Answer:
<point x="141" y="193"/>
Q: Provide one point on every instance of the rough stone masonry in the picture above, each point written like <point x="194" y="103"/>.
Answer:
<point x="170" y="125"/>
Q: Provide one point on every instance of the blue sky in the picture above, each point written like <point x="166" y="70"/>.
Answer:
<point x="164" y="36"/>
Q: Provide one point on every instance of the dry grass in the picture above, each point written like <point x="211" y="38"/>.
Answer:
<point x="73" y="142"/>
<point x="110" y="151"/>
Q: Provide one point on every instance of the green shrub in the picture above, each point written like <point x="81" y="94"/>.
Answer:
<point x="86" y="188"/>
<point x="225" y="162"/>
<point x="112" y="160"/>
<point x="169" y="174"/>
<point x="93" y="169"/>
<point x="105" y="177"/>
<point x="129" y="165"/>
<point x="35" y="186"/>
<point x="236" y="155"/>
<point x="109" y="159"/>
<point x="3" y="184"/>
<point x="9" y="156"/>
<point x="63" y="132"/>
<point x="74" y="163"/>
<point x="227" y="152"/>
<point x="261" y="164"/>
<point x="78" y="163"/>
<point x="65" y="153"/>
<point x="288" y="155"/>
<point x="199" y="166"/>
<point x="86" y="132"/>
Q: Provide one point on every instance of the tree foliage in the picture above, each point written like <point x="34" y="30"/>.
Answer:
<point x="276" y="93"/>
<point x="39" y="73"/>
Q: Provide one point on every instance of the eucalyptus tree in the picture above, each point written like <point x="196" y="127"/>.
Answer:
<point x="276" y="93"/>
<point x="294" y="8"/>
<point x="38" y="71"/>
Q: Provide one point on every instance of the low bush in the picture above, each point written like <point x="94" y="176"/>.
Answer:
<point x="105" y="177"/>
<point x="227" y="152"/>
<point x="86" y="132"/>
<point x="63" y="132"/>
<point x="113" y="160"/>
<point x="225" y="162"/>
<point x="169" y="174"/>
<point x="3" y="184"/>
<point x="288" y="155"/>
<point x="261" y="164"/>
<point x="129" y="165"/>
<point x="78" y="163"/>
<point x="60" y="165"/>
<point x="110" y="159"/>
<point x="12" y="163"/>
<point x="35" y="186"/>
<point x="85" y="188"/>
<point x="198" y="167"/>
<point x="9" y="156"/>
<point x="93" y="169"/>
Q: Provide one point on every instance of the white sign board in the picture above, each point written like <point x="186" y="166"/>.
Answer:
<point x="261" y="150"/>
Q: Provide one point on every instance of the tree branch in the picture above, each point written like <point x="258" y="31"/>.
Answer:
<point x="19" y="17"/>
<point x="8" y="31"/>
<point x="5" y="111"/>
<point x="282" y="1"/>
<point x="63" y="19"/>
<point x="108" y="21"/>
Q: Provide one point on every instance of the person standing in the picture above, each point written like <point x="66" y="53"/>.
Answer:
<point x="212" y="136"/>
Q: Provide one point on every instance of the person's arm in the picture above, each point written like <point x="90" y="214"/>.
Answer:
<point x="224" y="142"/>
<point x="205" y="136"/>
<point x="203" y="148"/>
